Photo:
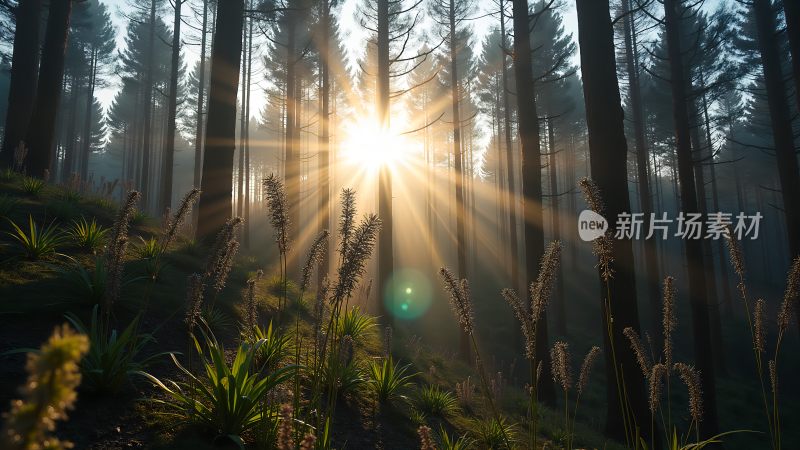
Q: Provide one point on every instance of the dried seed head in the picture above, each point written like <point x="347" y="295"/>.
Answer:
<point x="691" y="378"/>
<point x="540" y="290"/>
<point x="773" y="376"/>
<point x="315" y="255"/>
<point x="194" y="299"/>
<point x="224" y="265"/>
<point x="278" y="208"/>
<point x="737" y="260"/>
<point x="285" y="441"/>
<point x="174" y="223"/>
<point x="308" y="442"/>
<point x="603" y="246"/>
<point x="251" y="313"/>
<point x="586" y="368"/>
<point x="668" y="320"/>
<point x="656" y="380"/>
<point x="347" y="219"/>
<point x="425" y="438"/>
<point x="559" y="365"/>
<point x="758" y="326"/>
<point x="459" y="299"/>
<point x="358" y="252"/>
<point x="790" y="295"/>
<point x="524" y="318"/>
<point x="638" y="350"/>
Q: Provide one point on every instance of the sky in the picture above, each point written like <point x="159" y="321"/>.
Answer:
<point x="354" y="42"/>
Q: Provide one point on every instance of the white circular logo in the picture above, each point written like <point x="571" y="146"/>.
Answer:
<point x="591" y="225"/>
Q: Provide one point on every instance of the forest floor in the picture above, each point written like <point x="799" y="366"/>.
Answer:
<point x="34" y="298"/>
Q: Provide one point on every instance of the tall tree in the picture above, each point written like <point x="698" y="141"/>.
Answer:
<point x="41" y="131"/>
<point x="781" y="120"/>
<point x="791" y="9"/>
<point x="642" y="158"/>
<point x="450" y="15"/>
<point x="608" y="149"/>
<point x="22" y="88"/>
<point x="673" y="11"/>
<point x="529" y="133"/>
<point x="217" y="176"/>
<point x="165" y="199"/>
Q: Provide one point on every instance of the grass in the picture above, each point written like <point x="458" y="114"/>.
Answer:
<point x="36" y="242"/>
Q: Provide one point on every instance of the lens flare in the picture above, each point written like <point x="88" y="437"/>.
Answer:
<point x="408" y="294"/>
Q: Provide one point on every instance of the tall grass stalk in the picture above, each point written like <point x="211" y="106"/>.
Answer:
<point x="462" y="308"/>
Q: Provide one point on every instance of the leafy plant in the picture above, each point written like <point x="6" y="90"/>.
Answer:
<point x="215" y="318"/>
<point x="32" y="186"/>
<point x="355" y="324"/>
<point x="38" y="242"/>
<point x="150" y="251"/>
<point x="447" y="442"/>
<point x="345" y="376"/>
<point x="227" y="398"/>
<point x="387" y="379"/>
<point x="88" y="235"/>
<point x="7" y="204"/>
<point x="84" y="285"/>
<point x="273" y="349"/>
<point x="112" y="356"/>
<point x="436" y="401"/>
<point x="492" y="434"/>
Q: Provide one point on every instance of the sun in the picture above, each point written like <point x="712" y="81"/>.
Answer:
<point x="370" y="147"/>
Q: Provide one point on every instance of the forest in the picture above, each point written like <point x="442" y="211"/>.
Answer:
<point x="399" y="224"/>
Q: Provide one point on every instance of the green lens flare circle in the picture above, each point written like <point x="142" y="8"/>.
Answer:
<point x="408" y="294"/>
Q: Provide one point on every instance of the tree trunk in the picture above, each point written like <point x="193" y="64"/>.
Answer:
<point x="703" y="351"/>
<point x="560" y="308"/>
<point x="148" y="109"/>
<point x="86" y="144"/>
<point x="608" y="151"/>
<point x="324" y="135"/>
<point x="386" y="235"/>
<point x="217" y="176"/>
<point x="781" y="121"/>
<point x="791" y="8"/>
<point x="510" y="166"/>
<point x="242" y="126"/>
<point x="70" y="158"/>
<point x="41" y="131"/>
<point x="461" y="245"/>
<point x="22" y="83"/>
<point x="643" y="179"/>
<point x="531" y="176"/>
<point x="246" y="228"/>
<point x="292" y="158"/>
<point x="201" y="97"/>
<point x="172" y="109"/>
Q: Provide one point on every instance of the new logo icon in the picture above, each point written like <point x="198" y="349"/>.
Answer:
<point x="591" y="225"/>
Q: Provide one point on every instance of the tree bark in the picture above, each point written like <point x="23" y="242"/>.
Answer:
<point x="642" y="178"/>
<point x="217" y="176"/>
<point x="86" y="145"/>
<point x="791" y="8"/>
<point x="458" y="157"/>
<point x="531" y="176"/>
<point x="510" y="166"/>
<point x="386" y="235"/>
<point x="172" y="110"/>
<point x="22" y="87"/>
<point x="703" y="351"/>
<point x="148" y="109"/>
<point x="559" y="307"/>
<point x="41" y="131"/>
<point x="781" y="121"/>
<point x="324" y="135"/>
<point x="608" y="151"/>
